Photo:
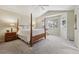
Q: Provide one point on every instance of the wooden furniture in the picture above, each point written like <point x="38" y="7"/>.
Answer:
<point x="36" y="38"/>
<point x="9" y="36"/>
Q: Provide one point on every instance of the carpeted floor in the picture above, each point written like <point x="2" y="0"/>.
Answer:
<point x="51" y="45"/>
<point x="14" y="47"/>
<point x="55" y="45"/>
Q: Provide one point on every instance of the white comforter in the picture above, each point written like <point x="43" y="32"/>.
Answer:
<point x="25" y="34"/>
<point x="37" y="31"/>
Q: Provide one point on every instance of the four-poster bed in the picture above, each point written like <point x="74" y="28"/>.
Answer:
<point x="37" y="37"/>
<point x="34" y="35"/>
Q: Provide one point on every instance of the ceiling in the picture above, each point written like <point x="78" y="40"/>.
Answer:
<point x="36" y="10"/>
<point x="26" y="10"/>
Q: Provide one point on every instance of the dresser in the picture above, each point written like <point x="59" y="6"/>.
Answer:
<point x="9" y="36"/>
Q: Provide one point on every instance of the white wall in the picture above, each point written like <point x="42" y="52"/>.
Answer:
<point x="63" y="28"/>
<point x="67" y="30"/>
<point x="70" y="25"/>
<point x="6" y="18"/>
<point x="77" y="30"/>
<point x="53" y="30"/>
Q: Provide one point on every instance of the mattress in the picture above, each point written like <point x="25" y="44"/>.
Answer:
<point x="37" y="31"/>
<point x="25" y="34"/>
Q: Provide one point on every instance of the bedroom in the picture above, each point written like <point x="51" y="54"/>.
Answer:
<point x="40" y="29"/>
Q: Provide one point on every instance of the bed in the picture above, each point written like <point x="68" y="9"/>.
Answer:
<point x="24" y="35"/>
<point x="37" y="35"/>
<point x="31" y="35"/>
<point x="40" y="33"/>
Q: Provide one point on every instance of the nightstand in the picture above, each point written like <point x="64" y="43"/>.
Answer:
<point x="9" y="36"/>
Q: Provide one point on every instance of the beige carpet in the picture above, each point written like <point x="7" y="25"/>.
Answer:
<point x="14" y="47"/>
<point x="52" y="45"/>
<point x="55" y="45"/>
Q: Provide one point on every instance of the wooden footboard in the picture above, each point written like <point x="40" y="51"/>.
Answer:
<point x="38" y="37"/>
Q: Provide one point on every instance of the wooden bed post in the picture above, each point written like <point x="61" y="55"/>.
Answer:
<point x="17" y="25"/>
<point x="45" y="27"/>
<point x="31" y="31"/>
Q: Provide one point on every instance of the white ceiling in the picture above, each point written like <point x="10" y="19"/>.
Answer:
<point x="36" y="10"/>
